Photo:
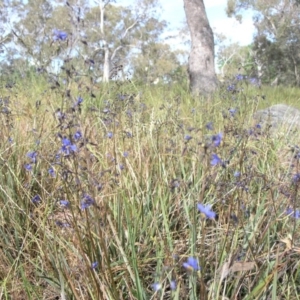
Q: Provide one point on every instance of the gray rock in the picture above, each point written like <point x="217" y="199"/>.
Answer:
<point x="279" y="116"/>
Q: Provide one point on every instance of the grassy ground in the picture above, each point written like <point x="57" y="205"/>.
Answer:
<point x="100" y="198"/>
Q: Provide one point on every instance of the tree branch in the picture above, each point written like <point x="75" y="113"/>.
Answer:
<point x="128" y="28"/>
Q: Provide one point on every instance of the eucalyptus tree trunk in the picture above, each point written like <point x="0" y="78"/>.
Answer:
<point x="201" y="67"/>
<point x="106" y="64"/>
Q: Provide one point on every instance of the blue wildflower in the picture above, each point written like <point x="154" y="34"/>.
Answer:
<point x="206" y="210"/>
<point x="36" y="199"/>
<point x="110" y="135"/>
<point x="59" y="35"/>
<point x="125" y="153"/>
<point x="254" y="81"/>
<point x="191" y="264"/>
<point x="32" y="155"/>
<point x="231" y="88"/>
<point x="77" y="135"/>
<point x="215" y="160"/>
<point x="59" y="115"/>
<point x="173" y="285"/>
<point x="209" y="126"/>
<point x="239" y="77"/>
<point x="86" y="202"/>
<point x="79" y="100"/>
<point x="296" y="178"/>
<point x="156" y="286"/>
<point x="232" y="112"/>
<point x="94" y="265"/>
<point x="217" y="139"/>
<point x="121" y="97"/>
<point x="64" y="203"/>
<point x="187" y="137"/>
<point x="237" y="174"/>
<point x="250" y="131"/>
<point x="51" y="172"/>
<point x="67" y="147"/>
<point x="292" y="213"/>
<point x="28" y="167"/>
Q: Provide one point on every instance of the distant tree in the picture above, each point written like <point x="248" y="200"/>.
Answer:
<point x="119" y="31"/>
<point x="277" y="40"/>
<point x="157" y="60"/>
<point x="234" y="58"/>
<point x="201" y="66"/>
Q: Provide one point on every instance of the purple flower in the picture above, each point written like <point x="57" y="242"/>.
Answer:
<point x="206" y="210"/>
<point x="217" y="139"/>
<point x="254" y="81"/>
<point x="59" y="115"/>
<point x="79" y="100"/>
<point x="125" y="153"/>
<point x="215" y="160"/>
<point x="94" y="265"/>
<point x="59" y="35"/>
<point x="156" y="286"/>
<point x="173" y="285"/>
<point x="231" y="88"/>
<point x="121" y="97"/>
<point x="237" y="174"/>
<point x="293" y="213"/>
<point x="239" y="77"/>
<point x="36" y="199"/>
<point x="77" y="135"/>
<point x="28" y="167"/>
<point x="86" y="202"/>
<point x="51" y="172"/>
<point x="191" y="264"/>
<point x="110" y="135"/>
<point x="67" y="147"/>
<point x="209" y="126"/>
<point x="32" y="155"/>
<point x="232" y="112"/>
<point x="187" y="137"/>
<point x="64" y="203"/>
<point x="296" y="178"/>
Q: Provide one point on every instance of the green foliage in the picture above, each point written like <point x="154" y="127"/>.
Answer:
<point x="233" y="57"/>
<point x="276" y="44"/>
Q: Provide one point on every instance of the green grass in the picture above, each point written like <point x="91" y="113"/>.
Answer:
<point x="146" y="181"/>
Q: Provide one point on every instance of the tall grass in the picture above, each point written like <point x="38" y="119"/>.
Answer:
<point x="100" y="188"/>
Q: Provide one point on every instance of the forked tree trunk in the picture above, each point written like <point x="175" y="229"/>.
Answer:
<point x="201" y="68"/>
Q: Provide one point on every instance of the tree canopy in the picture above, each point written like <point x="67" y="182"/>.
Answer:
<point x="100" y="35"/>
<point x="277" y="38"/>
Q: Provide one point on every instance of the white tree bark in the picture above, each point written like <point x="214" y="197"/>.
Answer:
<point x="107" y="57"/>
<point x="201" y="67"/>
